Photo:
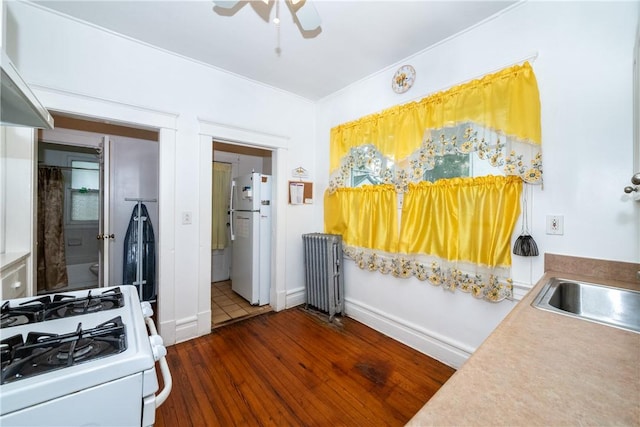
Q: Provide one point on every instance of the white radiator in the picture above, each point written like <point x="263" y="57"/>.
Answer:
<point x="324" y="279"/>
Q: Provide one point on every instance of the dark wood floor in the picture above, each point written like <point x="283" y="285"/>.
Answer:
<point x="292" y="368"/>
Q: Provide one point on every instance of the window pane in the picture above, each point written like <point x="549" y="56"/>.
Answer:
<point x="83" y="178"/>
<point x="449" y="166"/>
<point x="84" y="205"/>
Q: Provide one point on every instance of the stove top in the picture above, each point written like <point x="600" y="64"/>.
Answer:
<point x="58" y="345"/>
<point x="19" y="312"/>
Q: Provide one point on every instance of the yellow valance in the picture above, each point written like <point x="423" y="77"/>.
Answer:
<point x="507" y="102"/>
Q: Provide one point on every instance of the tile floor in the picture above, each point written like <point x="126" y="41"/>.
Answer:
<point x="228" y="307"/>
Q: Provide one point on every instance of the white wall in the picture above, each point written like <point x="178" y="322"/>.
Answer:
<point x="584" y="73"/>
<point x="61" y="57"/>
<point x="134" y="174"/>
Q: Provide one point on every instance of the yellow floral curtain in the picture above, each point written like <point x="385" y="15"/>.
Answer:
<point x="365" y="217"/>
<point x="455" y="232"/>
<point x="507" y="101"/>
<point x="462" y="219"/>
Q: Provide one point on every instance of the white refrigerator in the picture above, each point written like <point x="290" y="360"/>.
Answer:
<point x="250" y="214"/>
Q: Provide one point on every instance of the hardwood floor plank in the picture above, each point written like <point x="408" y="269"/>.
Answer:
<point x="294" y="368"/>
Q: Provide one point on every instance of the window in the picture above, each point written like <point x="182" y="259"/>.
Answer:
<point x="448" y="166"/>
<point x="84" y="193"/>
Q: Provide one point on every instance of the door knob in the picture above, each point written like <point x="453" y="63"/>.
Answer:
<point x="635" y="180"/>
<point x="105" y="236"/>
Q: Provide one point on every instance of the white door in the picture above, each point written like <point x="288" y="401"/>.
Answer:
<point x="105" y="234"/>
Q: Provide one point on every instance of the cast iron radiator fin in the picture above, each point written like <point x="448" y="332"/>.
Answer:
<point x="324" y="279"/>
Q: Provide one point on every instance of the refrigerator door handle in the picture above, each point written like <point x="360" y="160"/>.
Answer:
<point x="231" y="210"/>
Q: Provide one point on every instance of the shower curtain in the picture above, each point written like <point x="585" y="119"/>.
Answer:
<point x="52" y="265"/>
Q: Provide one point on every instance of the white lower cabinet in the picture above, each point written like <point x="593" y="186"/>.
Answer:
<point x="14" y="278"/>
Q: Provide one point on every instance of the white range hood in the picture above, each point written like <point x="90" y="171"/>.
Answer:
<point x="19" y="106"/>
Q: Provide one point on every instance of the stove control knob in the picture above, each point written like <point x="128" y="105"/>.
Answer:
<point x="157" y="347"/>
<point x="147" y="310"/>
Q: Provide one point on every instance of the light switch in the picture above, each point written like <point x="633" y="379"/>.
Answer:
<point x="186" y="218"/>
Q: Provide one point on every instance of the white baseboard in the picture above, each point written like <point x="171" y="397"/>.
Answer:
<point x="297" y="296"/>
<point x="520" y="290"/>
<point x="204" y="323"/>
<point x="186" y="329"/>
<point x="428" y="342"/>
<point x="167" y="331"/>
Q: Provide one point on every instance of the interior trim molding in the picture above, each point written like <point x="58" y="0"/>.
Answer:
<point x="520" y="289"/>
<point x="167" y="331"/>
<point x="81" y="105"/>
<point x="295" y="297"/>
<point x="212" y="131"/>
<point x="441" y="348"/>
<point x="186" y="329"/>
<point x="241" y="136"/>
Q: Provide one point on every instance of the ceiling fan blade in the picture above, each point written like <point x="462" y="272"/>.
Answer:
<point x="308" y="16"/>
<point x="225" y="4"/>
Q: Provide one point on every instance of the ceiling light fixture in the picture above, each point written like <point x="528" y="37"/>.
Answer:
<point x="304" y="11"/>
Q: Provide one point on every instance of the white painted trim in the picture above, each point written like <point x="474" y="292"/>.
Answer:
<point x="520" y="290"/>
<point x="166" y="235"/>
<point x="295" y="297"/>
<point x="279" y="233"/>
<point x="169" y="334"/>
<point x="242" y="136"/>
<point x="187" y="328"/>
<point x="439" y="347"/>
<point x="210" y="131"/>
<point x="86" y="106"/>
<point x="204" y="235"/>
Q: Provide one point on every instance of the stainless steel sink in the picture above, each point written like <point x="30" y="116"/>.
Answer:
<point x="589" y="301"/>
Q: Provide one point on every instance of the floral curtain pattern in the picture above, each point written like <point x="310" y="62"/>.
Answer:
<point x="506" y="103"/>
<point x="455" y="232"/>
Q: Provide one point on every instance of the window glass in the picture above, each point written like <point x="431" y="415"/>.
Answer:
<point x="84" y="194"/>
<point x="84" y="175"/>
<point x="448" y="166"/>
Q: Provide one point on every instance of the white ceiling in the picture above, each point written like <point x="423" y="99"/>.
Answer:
<point x="356" y="39"/>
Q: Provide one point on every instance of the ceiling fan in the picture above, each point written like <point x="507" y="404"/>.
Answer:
<point x="304" y="11"/>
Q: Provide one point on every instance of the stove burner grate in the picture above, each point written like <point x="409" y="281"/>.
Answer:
<point x="31" y="311"/>
<point x="45" y="352"/>
<point x="61" y="305"/>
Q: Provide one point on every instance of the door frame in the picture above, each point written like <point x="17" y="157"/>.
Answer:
<point x="101" y="109"/>
<point x="277" y="144"/>
<point x="87" y="140"/>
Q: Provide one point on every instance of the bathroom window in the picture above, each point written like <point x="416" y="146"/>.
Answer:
<point x="84" y="192"/>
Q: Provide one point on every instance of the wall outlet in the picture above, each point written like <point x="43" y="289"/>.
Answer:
<point x="555" y="224"/>
<point x="186" y="218"/>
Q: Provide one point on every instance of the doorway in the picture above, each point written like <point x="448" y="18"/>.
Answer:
<point x="68" y="217"/>
<point x="108" y="172"/>
<point x="230" y="161"/>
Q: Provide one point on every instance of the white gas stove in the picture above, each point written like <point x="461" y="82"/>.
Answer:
<point x="80" y="358"/>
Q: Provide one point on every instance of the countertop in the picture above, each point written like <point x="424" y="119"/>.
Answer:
<point x="543" y="368"/>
